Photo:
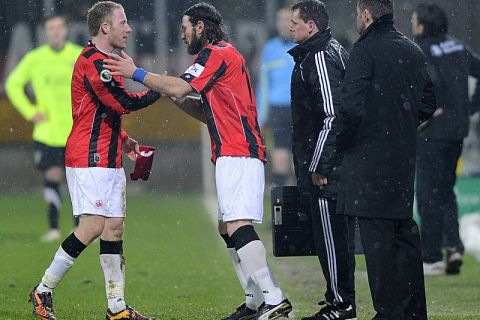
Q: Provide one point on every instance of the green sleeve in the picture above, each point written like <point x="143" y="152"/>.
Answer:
<point x="15" y="88"/>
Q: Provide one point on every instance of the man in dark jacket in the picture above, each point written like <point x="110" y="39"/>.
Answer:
<point x="440" y="139"/>
<point x="315" y="88"/>
<point x="387" y="92"/>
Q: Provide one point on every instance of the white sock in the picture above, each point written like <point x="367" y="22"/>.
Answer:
<point x="253" y="294"/>
<point x="113" y="266"/>
<point x="62" y="262"/>
<point x="253" y="257"/>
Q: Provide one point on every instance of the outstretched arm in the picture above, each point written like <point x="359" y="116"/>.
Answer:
<point x="171" y="86"/>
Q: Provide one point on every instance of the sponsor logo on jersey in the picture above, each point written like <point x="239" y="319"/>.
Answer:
<point x="105" y="75"/>
<point x="195" y="70"/>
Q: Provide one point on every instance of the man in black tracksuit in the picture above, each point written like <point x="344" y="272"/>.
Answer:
<point x="440" y="139"/>
<point x="315" y="89"/>
<point x="386" y="93"/>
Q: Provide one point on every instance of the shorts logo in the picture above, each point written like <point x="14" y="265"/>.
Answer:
<point x="98" y="204"/>
<point x="195" y="69"/>
<point x="105" y="75"/>
<point x="96" y="157"/>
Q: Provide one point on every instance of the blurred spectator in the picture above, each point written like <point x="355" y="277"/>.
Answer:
<point x="273" y="96"/>
<point x="48" y="69"/>
<point x="440" y="139"/>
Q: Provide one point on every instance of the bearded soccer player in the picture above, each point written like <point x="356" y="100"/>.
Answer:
<point x="93" y="160"/>
<point x="220" y="76"/>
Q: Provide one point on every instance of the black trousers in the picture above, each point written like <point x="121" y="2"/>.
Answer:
<point x="436" y="200"/>
<point x="394" y="265"/>
<point x="334" y="243"/>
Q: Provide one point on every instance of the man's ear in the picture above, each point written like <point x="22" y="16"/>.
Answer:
<point x="367" y="16"/>
<point x="421" y="28"/>
<point x="311" y="26"/>
<point x="200" y="27"/>
<point x="105" y="28"/>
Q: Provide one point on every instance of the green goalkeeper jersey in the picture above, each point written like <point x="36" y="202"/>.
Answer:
<point x="50" y="74"/>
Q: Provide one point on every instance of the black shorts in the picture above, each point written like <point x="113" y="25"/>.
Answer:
<point x="281" y="127"/>
<point x="45" y="157"/>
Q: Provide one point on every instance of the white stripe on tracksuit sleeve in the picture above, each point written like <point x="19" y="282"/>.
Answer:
<point x="327" y="107"/>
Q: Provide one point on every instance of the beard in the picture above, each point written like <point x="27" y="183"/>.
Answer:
<point x="361" y="28"/>
<point x="195" y="45"/>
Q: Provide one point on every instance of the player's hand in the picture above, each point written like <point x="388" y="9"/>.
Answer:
<point x="38" y="117"/>
<point x="318" y="179"/>
<point x="120" y="65"/>
<point x="131" y="148"/>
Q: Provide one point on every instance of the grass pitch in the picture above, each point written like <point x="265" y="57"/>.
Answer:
<point x="177" y="267"/>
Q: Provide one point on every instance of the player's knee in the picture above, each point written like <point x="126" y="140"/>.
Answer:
<point x="232" y="226"/>
<point x="222" y="227"/>
<point x="51" y="193"/>
<point x="117" y="233"/>
<point x="90" y="227"/>
<point x="114" y="229"/>
<point x="54" y="174"/>
<point x="243" y="236"/>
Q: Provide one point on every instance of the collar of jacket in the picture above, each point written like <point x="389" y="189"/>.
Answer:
<point x="385" y="22"/>
<point x="428" y="40"/>
<point x="319" y="39"/>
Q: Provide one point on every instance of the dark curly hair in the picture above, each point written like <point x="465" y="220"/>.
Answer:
<point x="212" y="19"/>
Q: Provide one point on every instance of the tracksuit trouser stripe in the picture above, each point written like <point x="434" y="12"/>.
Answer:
<point x="330" y="247"/>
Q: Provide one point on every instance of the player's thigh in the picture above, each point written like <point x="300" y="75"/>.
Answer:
<point x="240" y="186"/>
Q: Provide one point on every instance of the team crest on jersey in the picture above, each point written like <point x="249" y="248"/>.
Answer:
<point x="105" y="75"/>
<point x="195" y="70"/>
<point x="98" y="204"/>
<point x="96" y="157"/>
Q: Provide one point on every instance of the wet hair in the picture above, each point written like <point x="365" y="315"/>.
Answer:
<point x="212" y="19"/>
<point x="313" y="10"/>
<point x="99" y="13"/>
<point x="433" y="18"/>
<point x="377" y="8"/>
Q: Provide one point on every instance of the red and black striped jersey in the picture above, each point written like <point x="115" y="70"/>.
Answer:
<point x="98" y="102"/>
<point x="220" y="76"/>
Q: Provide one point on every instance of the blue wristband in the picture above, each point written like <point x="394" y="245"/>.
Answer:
<point x="139" y="75"/>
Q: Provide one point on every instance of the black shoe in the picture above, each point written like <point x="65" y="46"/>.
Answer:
<point x="42" y="304"/>
<point x="332" y="312"/>
<point x="242" y="313"/>
<point x="454" y="262"/>
<point x="268" y="311"/>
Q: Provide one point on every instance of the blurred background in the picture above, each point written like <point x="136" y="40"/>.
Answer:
<point x="155" y="44"/>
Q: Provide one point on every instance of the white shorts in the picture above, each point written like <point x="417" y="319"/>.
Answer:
<point x="240" y="185"/>
<point x="97" y="191"/>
